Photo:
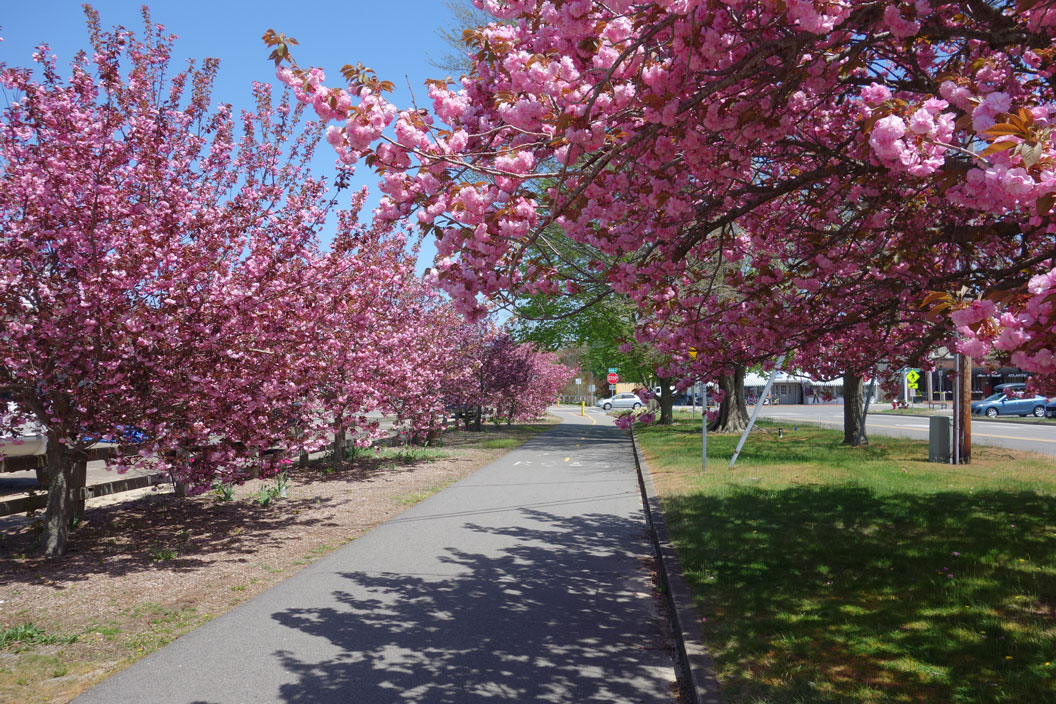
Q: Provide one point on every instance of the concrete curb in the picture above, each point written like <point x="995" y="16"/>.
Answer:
<point x="698" y="669"/>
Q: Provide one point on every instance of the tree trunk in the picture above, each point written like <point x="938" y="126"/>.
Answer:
<point x="59" y="511"/>
<point x="965" y="380"/>
<point x="339" y="448"/>
<point x="667" y="402"/>
<point x="478" y="418"/>
<point x="733" y="411"/>
<point x="78" y="482"/>
<point x="853" y="409"/>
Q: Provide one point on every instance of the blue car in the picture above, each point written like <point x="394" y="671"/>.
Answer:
<point x="1001" y="404"/>
<point x="126" y="435"/>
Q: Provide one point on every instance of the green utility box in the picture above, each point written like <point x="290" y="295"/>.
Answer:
<point x="940" y="439"/>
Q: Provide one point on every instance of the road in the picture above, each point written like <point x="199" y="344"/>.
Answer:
<point x="528" y="581"/>
<point x="1010" y="434"/>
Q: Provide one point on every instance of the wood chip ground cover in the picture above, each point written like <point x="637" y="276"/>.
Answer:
<point x="146" y="567"/>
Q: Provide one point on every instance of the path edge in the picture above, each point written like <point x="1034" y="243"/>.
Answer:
<point x="698" y="669"/>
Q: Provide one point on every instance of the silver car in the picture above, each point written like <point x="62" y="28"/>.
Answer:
<point x="29" y="437"/>
<point x="624" y="400"/>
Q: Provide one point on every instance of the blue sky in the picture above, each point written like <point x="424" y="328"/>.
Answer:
<point x="396" y="38"/>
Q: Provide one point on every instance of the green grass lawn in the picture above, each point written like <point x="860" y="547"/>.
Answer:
<point x="830" y="574"/>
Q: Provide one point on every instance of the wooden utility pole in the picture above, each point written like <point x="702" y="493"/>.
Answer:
<point x="965" y="381"/>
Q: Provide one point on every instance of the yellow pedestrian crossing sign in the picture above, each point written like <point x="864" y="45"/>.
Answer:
<point x="912" y="378"/>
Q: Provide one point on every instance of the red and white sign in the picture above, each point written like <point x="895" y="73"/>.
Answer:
<point x="614" y="378"/>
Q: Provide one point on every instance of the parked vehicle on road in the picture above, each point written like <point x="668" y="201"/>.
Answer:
<point x="1011" y="400"/>
<point x="125" y="435"/>
<point x="624" y="400"/>
<point x="28" y="438"/>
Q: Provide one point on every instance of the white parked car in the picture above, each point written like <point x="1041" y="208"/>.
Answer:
<point x="29" y="439"/>
<point x="624" y="400"/>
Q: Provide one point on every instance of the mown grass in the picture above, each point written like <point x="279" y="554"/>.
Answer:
<point x="830" y="574"/>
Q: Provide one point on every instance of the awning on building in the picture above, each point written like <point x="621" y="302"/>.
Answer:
<point x="752" y="379"/>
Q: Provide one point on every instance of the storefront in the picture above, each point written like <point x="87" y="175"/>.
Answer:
<point x="983" y="380"/>
<point x="793" y="389"/>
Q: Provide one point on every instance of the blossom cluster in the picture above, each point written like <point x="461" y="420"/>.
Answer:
<point x="757" y="181"/>
<point x="160" y="270"/>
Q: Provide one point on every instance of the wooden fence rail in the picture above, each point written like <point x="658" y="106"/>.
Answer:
<point x="81" y="494"/>
<point x="28" y="463"/>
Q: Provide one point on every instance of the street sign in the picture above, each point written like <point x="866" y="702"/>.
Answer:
<point x="613" y="378"/>
<point x="612" y="387"/>
<point x="692" y="352"/>
<point x="614" y="370"/>
<point x="912" y="378"/>
<point x="578" y="381"/>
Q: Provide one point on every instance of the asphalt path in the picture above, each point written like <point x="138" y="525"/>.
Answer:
<point x="528" y="581"/>
<point x="1018" y="435"/>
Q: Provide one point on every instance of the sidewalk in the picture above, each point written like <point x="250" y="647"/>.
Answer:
<point x="529" y="581"/>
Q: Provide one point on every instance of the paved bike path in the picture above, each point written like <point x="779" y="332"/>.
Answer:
<point x="528" y="581"/>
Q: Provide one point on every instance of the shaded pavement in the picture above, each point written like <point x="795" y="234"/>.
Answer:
<point x="528" y="581"/>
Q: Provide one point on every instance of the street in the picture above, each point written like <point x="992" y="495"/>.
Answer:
<point x="1028" y="435"/>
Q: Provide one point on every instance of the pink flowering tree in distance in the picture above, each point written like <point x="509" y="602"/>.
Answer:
<point x="506" y="374"/>
<point x="753" y="175"/>
<point x="519" y="381"/>
<point x="160" y="267"/>
<point x="497" y="377"/>
<point x="397" y="340"/>
<point x="548" y="376"/>
<point x="371" y="289"/>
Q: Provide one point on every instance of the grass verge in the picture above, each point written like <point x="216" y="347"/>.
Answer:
<point x="830" y="574"/>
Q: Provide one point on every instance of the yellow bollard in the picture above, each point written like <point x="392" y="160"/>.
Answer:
<point x="582" y="408"/>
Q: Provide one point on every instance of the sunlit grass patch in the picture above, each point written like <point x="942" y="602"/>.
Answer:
<point x="25" y="635"/>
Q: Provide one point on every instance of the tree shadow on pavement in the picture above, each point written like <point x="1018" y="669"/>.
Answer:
<point x="560" y="611"/>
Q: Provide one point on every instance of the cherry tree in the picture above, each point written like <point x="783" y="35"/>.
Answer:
<point x="496" y="376"/>
<point x="842" y="160"/>
<point x="546" y="378"/>
<point x="160" y="266"/>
